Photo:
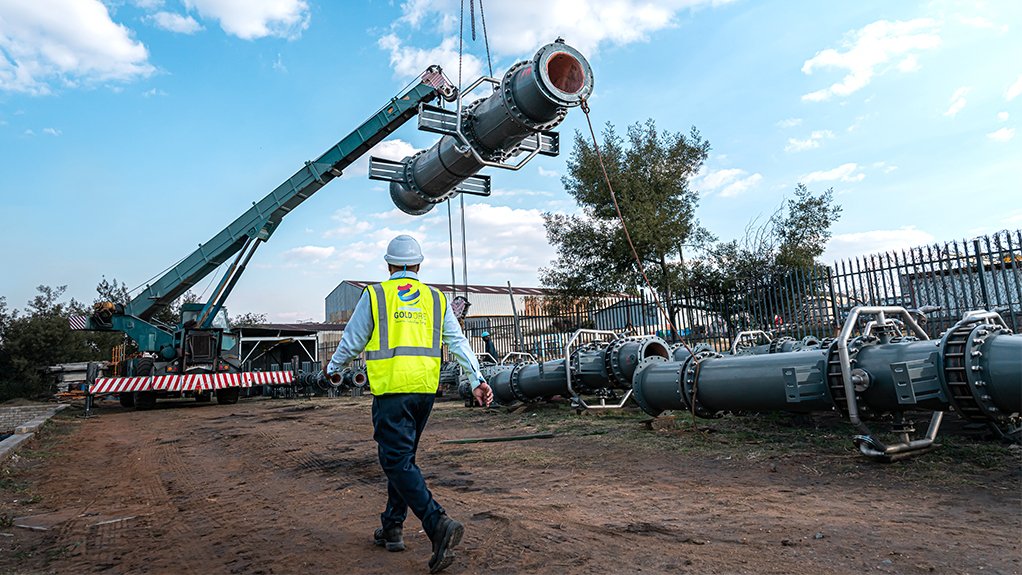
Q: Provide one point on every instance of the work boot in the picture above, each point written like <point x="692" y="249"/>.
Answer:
<point x="445" y="538"/>
<point x="390" y="538"/>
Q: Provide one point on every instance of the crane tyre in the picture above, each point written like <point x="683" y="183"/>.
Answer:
<point x="228" y="395"/>
<point x="144" y="400"/>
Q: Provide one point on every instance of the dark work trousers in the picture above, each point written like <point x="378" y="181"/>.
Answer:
<point x="398" y="421"/>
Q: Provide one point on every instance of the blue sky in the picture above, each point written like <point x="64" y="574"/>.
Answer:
<point x="132" y="130"/>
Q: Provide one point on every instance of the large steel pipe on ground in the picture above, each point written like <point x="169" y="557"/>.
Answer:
<point x="976" y="369"/>
<point x="594" y="367"/>
<point x="527" y="382"/>
<point x="532" y="97"/>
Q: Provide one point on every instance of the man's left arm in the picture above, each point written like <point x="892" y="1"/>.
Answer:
<point x="462" y="350"/>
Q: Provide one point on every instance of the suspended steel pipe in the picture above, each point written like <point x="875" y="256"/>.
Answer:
<point x="531" y="99"/>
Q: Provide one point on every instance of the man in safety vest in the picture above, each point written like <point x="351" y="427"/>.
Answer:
<point x="401" y="324"/>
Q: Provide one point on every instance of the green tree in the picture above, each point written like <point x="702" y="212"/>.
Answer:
<point x="6" y="368"/>
<point x="746" y="279"/>
<point x="650" y="172"/>
<point x="41" y="336"/>
<point x="803" y="229"/>
<point x="247" y="319"/>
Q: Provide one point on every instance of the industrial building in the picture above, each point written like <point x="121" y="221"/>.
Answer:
<point x="487" y="301"/>
<point x="266" y="347"/>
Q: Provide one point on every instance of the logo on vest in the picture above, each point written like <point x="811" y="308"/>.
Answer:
<point x="410" y="312"/>
<point x="406" y="295"/>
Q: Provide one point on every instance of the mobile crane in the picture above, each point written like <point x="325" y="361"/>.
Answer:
<point x="199" y="355"/>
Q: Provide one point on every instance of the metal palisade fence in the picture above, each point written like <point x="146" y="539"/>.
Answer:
<point x="943" y="280"/>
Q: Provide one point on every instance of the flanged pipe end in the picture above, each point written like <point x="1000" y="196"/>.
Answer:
<point x="408" y="201"/>
<point x="564" y="73"/>
<point x="359" y="379"/>
<point x="637" y="381"/>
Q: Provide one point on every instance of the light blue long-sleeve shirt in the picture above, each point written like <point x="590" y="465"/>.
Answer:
<point x="360" y="329"/>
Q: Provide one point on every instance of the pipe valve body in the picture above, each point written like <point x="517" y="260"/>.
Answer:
<point x="532" y="98"/>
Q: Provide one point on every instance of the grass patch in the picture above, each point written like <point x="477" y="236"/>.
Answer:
<point x="822" y="441"/>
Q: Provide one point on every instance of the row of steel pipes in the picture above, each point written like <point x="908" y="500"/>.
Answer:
<point x="884" y="366"/>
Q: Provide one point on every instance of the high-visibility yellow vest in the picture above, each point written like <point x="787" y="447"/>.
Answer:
<point x="403" y="352"/>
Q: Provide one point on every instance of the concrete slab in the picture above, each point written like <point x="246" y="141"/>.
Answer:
<point x="23" y="433"/>
<point x="8" y="445"/>
<point x="34" y="425"/>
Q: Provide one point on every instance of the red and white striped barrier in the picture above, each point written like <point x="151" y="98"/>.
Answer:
<point x="189" y="382"/>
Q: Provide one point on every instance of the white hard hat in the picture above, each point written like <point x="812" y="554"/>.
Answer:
<point x="403" y="251"/>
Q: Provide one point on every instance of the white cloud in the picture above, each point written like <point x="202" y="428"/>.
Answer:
<point x="814" y="140"/>
<point x="873" y="50"/>
<point x="505" y="243"/>
<point x="182" y="24"/>
<point x="731" y="181"/>
<point x="349" y="226"/>
<point x="1003" y="116"/>
<point x="858" y="122"/>
<point x="982" y="23"/>
<point x="740" y="186"/>
<point x="311" y="253"/>
<point x="1014" y="90"/>
<point x="957" y="101"/>
<point x="52" y="131"/>
<point x="844" y="246"/>
<point x="148" y="4"/>
<point x="713" y="179"/>
<point x="153" y="92"/>
<point x="789" y="123"/>
<point x="845" y="172"/>
<point x="547" y="173"/>
<point x="884" y="167"/>
<point x="252" y="19"/>
<point x="516" y="29"/>
<point x="519" y="193"/>
<point x="1002" y="135"/>
<point x="65" y="42"/>
<point x="519" y="28"/>
<point x="393" y="149"/>
<point x="409" y="61"/>
<point x="909" y="64"/>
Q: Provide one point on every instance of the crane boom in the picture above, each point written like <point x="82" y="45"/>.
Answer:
<point x="260" y="221"/>
<point x="241" y="237"/>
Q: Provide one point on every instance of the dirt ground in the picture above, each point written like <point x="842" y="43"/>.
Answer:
<point x="293" y="486"/>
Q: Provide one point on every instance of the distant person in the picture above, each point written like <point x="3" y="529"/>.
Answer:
<point x="490" y="348"/>
<point x="401" y="324"/>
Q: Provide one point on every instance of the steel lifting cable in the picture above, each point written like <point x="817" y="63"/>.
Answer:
<point x="464" y="245"/>
<point x="486" y="38"/>
<point x="450" y="239"/>
<point x="638" y="260"/>
<point x="489" y="62"/>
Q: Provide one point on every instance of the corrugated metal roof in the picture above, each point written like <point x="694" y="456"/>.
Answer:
<point x="310" y="327"/>
<point x="477" y="289"/>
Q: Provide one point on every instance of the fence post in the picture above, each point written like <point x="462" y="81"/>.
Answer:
<point x="981" y="270"/>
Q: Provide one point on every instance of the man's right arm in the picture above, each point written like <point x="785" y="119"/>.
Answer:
<point x="356" y="335"/>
